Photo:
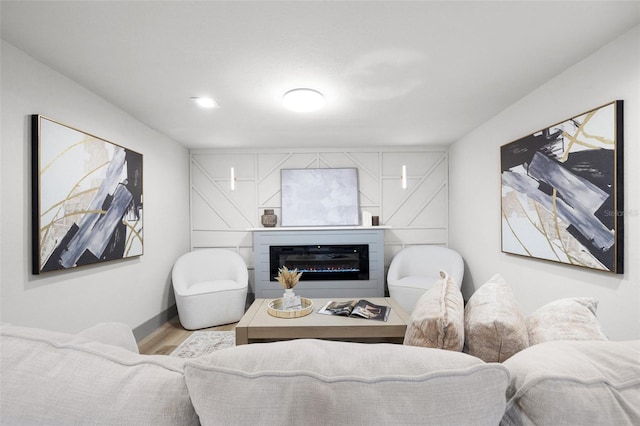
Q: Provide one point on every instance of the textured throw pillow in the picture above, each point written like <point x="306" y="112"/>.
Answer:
<point x="437" y="321"/>
<point x="572" y="318"/>
<point x="307" y="381"/>
<point x="574" y="383"/>
<point x="494" y="327"/>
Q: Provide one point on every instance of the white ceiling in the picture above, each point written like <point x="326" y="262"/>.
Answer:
<point x="393" y="73"/>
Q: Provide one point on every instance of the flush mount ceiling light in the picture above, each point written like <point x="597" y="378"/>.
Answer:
<point x="205" y="102"/>
<point x="303" y="100"/>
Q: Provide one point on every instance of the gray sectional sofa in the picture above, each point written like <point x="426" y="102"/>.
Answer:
<point x="98" y="377"/>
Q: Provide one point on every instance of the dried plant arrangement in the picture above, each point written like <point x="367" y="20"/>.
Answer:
<point x="288" y="279"/>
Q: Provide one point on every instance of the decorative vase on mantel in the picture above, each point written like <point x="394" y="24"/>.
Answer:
<point x="269" y="219"/>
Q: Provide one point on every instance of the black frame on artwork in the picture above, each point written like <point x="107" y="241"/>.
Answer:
<point x="562" y="192"/>
<point x="87" y="196"/>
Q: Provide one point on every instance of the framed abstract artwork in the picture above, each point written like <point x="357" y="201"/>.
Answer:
<point x="320" y="197"/>
<point x="562" y="192"/>
<point x="86" y="198"/>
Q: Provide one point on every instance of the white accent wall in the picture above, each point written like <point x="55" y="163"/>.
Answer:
<point x="221" y="217"/>
<point x="611" y="73"/>
<point x="130" y="291"/>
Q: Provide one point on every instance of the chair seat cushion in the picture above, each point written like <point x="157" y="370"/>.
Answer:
<point x="417" y="281"/>
<point x="213" y="286"/>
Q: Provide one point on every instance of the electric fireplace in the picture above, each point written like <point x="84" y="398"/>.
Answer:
<point x="322" y="262"/>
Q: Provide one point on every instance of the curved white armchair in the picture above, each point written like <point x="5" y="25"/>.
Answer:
<point x="210" y="286"/>
<point x="415" y="269"/>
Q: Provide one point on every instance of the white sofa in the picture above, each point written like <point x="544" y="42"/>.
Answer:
<point x="98" y="377"/>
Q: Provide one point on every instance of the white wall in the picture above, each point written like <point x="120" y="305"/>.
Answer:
<point x="609" y="74"/>
<point x="130" y="291"/>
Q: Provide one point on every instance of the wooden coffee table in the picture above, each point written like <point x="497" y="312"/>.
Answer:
<point x="258" y="326"/>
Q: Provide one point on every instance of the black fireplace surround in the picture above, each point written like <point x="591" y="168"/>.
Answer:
<point x="322" y="262"/>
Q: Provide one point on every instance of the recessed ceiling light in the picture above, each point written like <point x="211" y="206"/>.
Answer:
<point x="205" y="102"/>
<point x="303" y="100"/>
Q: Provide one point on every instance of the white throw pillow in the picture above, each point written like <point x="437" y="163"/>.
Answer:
<point x="112" y="333"/>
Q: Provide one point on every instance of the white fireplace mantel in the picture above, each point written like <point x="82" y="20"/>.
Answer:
<point x="317" y="228"/>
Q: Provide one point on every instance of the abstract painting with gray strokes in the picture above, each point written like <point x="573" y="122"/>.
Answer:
<point x="87" y="198"/>
<point x="562" y="191"/>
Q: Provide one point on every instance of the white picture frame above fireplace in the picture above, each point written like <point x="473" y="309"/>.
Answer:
<point x="320" y="197"/>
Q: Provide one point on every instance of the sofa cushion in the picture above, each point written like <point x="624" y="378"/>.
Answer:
<point x="572" y="318"/>
<point x="493" y="324"/>
<point x="325" y="382"/>
<point x="57" y="378"/>
<point x="437" y="321"/>
<point x="575" y="383"/>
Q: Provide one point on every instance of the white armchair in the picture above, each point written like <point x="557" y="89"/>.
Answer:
<point x="415" y="269"/>
<point x="210" y="286"/>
